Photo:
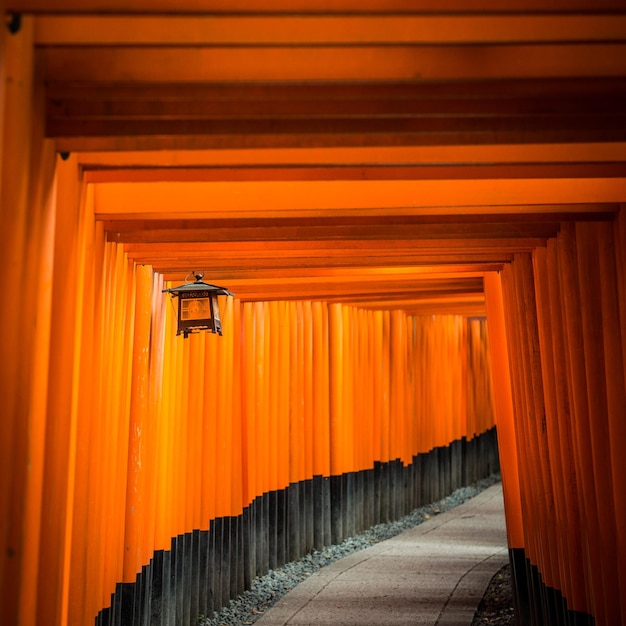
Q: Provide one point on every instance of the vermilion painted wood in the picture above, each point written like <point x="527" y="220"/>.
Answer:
<point x="592" y="245"/>
<point x="552" y="436"/>
<point x="375" y="189"/>
<point x="327" y="6"/>
<point x="538" y="439"/>
<point x="577" y="389"/>
<point x="504" y="416"/>
<point x="512" y="322"/>
<point x="139" y="453"/>
<point x="287" y="29"/>
<point x="563" y="449"/>
<point x="614" y="380"/>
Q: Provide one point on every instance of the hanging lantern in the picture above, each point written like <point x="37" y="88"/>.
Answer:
<point x="197" y="306"/>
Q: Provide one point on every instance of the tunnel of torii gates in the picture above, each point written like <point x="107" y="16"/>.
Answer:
<point x="419" y="207"/>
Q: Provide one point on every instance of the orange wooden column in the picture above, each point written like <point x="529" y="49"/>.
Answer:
<point x="505" y="418"/>
<point x="617" y="425"/>
<point x="306" y="343"/>
<point x="27" y="213"/>
<point x="478" y="374"/>
<point x="378" y="397"/>
<point x="397" y="381"/>
<point x="294" y="394"/>
<point x="87" y="557"/>
<point x="615" y="387"/>
<point x="537" y="442"/>
<point x="366" y="388"/>
<point x="560" y="428"/>
<point x="577" y="397"/>
<point x="337" y="389"/>
<point x="114" y="432"/>
<point x="161" y="400"/>
<point x="136" y="543"/>
<point x="606" y="397"/>
<point x="232" y="325"/>
<point x="70" y="317"/>
<point x="385" y="374"/>
<point x="252" y="483"/>
<point x="528" y="474"/>
<point x="619" y="232"/>
<point x="561" y="517"/>
<point x="321" y="392"/>
<point x="277" y="400"/>
<point x="224" y="431"/>
<point x="195" y="416"/>
<point x="86" y="397"/>
<point x="261" y="340"/>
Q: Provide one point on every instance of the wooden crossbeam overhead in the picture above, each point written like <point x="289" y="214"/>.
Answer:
<point x="380" y="111"/>
<point x="330" y="63"/>
<point x="318" y="29"/>
<point x="173" y="7"/>
<point x="350" y="289"/>
<point x="384" y="153"/>
<point x="375" y="230"/>
<point x="323" y="76"/>
<point x="344" y="197"/>
<point x="363" y="172"/>
<point x="141" y="165"/>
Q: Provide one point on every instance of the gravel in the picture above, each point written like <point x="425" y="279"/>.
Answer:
<point x="496" y="607"/>
<point x="268" y="589"/>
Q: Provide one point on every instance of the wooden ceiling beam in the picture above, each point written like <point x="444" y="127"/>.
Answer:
<point x="360" y="283"/>
<point x="235" y="267"/>
<point x="351" y="198"/>
<point x="363" y="172"/>
<point x="336" y="293"/>
<point x="460" y="129"/>
<point x="112" y="166"/>
<point x="383" y="153"/>
<point x="332" y="141"/>
<point x="212" y="7"/>
<point x="186" y="232"/>
<point x="272" y="93"/>
<point x="333" y="63"/>
<point x="289" y="29"/>
<point x="394" y="278"/>
<point x="396" y="234"/>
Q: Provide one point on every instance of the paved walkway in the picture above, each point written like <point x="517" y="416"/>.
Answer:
<point x="433" y="574"/>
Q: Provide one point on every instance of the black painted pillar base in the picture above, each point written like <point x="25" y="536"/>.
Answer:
<point x="535" y="603"/>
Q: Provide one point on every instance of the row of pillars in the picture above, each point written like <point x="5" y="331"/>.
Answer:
<point x="557" y="318"/>
<point x="203" y="570"/>
<point x="117" y="436"/>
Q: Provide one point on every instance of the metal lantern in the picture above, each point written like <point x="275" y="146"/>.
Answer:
<point x="197" y="306"/>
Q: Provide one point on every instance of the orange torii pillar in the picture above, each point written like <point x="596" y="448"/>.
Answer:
<point x="507" y="442"/>
<point x="564" y="329"/>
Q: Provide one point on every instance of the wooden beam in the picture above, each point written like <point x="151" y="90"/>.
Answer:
<point x="400" y="233"/>
<point x="479" y="259"/>
<point x="361" y="173"/>
<point x="211" y="200"/>
<point x="246" y="30"/>
<point x="496" y="221"/>
<point x="117" y="166"/>
<point x="332" y="141"/>
<point x="333" y="63"/>
<point x="173" y="7"/>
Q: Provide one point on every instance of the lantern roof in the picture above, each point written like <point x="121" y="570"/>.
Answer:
<point x="198" y="285"/>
